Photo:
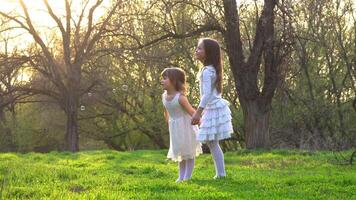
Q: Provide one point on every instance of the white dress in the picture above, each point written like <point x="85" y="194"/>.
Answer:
<point x="216" y="118"/>
<point x="182" y="135"/>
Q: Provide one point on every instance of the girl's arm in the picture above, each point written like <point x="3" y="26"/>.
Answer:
<point x="206" y="88"/>
<point x="207" y="94"/>
<point x="183" y="101"/>
<point x="166" y="115"/>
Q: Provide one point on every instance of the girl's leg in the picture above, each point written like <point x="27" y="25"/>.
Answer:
<point x="218" y="157"/>
<point x="181" y="165"/>
<point x="189" y="168"/>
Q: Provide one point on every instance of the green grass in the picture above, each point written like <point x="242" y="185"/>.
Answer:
<point x="277" y="174"/>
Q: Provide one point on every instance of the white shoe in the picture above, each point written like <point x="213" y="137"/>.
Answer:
<point x="219" y="177"/>
<point x="179" y="180"/>
<point x="186" y="179"/>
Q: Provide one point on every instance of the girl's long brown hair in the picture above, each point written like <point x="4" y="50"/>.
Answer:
<point x="213" y="57"/>
<point x="177" y="78"/>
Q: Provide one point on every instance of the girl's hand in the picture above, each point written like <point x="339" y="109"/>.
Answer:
<point x="196" y="118"/>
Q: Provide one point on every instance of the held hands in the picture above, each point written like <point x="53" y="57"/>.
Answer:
<point x="196" y="116"/>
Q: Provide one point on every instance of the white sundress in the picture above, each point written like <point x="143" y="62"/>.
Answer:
<point x="216" y="117"/>
<point x="183" y="144"/>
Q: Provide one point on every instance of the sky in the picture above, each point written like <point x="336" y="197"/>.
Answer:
<point x="41" y="20"/>
<point x="40" y="17"/>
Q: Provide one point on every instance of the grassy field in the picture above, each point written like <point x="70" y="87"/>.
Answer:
<point x="277" y="174"/>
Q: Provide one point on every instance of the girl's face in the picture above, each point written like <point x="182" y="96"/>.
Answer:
<point x="166" y="83"/>
<point x="200" y="52"/>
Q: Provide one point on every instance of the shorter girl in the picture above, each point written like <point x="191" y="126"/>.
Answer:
<point x="183" y="144"/>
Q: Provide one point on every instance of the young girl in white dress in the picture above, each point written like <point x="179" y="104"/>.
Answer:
<point x="184" y="146"/>
<point x="213" y="110"/>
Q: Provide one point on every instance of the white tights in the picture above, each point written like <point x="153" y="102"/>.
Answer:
<point x="218" y="157"/>
<point x="186" y="166"/>
<point x="186" y="169"/>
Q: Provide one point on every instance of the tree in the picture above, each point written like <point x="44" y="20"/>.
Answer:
<point x="62" y="64"/>
<point x="321" y="80"/>
<point x="10" y="79"/>
<point x="256" y="104"/>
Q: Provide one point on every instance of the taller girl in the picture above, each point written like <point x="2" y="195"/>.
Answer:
<point x="213" y="112"/>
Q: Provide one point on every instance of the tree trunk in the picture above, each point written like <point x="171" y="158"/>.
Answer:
<point x="2" y="115"/>
<point x="113" y="145"/>
<point x="72" y="136"/>
<point x="256" y="104"/>
<point x="256" y="126"/>
<point x="2" y="111"/>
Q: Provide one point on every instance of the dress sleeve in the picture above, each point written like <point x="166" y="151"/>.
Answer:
<point x="207" y="90"/>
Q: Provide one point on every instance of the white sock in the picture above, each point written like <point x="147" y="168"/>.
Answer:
<point x="189" y="168"/>
<point x="181" y="165"/>
<point x="218" y="157"/>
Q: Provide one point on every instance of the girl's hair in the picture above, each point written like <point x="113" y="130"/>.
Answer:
<point x="213" y="57"/>
<point x="177" y="78"/>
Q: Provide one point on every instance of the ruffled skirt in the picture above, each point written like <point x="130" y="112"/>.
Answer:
<point x="216" y="122"/>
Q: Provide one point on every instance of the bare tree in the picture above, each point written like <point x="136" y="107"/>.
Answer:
<point x="63" y="67"/>
<point x="10" y="80"/>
